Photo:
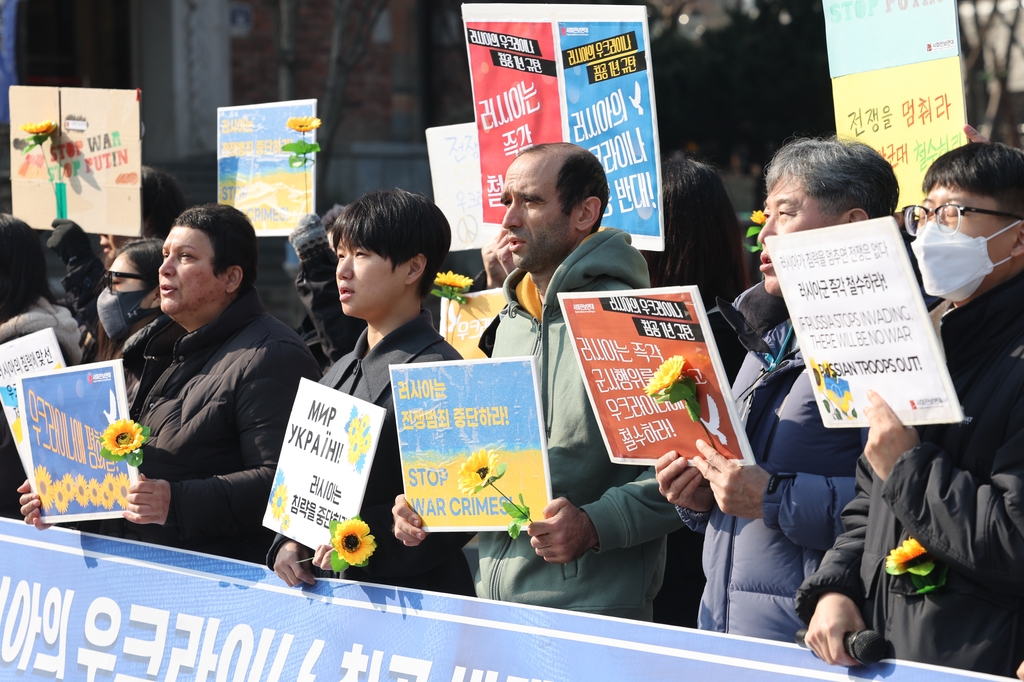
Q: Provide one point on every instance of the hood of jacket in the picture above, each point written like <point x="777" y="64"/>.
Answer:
<point x="45" y="315"/>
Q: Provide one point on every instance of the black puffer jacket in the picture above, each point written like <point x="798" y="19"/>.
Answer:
<point x="960" y="493"/>
<point x="217" y="401"/>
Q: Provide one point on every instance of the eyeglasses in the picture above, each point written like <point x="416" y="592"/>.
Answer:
<point x="948" y="217"/>
<point x="108" y="278"/>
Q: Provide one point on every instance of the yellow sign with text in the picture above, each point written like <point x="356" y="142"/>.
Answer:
<point x="462" y="324"/>
<point x="911" y="114"/>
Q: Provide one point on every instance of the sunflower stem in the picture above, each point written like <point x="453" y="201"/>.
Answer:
<point x="506" y="497"/>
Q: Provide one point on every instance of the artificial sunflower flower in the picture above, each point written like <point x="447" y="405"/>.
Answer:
<point x="95" y="493"/>
<point x="757" y="217"/>
<point x="666" y="375"/>
<point x="121" y="486"/>
<point x="44" y="487"/>
<point x="41" y="128"/>
<point x="81" y="490"/>
<point x="123" y="437"/>
<point x="453" y="280"/>
<point x="279" y="501"/>
<point x="352" y="541"/>
<point x="910" y="557"/>
<point x="358" y="439"/>
<point x="475" y="471"/>
<point x="303" y="124"/>
<point x="108" y="491"/>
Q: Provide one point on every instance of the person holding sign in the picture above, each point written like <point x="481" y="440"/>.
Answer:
<point x="933" y="553"/>
<point x="600" y="545"/>
<point x="389" y="245"/>
<point x="767" y="526"/>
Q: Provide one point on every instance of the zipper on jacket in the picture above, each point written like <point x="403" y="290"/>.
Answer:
<point x="497" y="569"/>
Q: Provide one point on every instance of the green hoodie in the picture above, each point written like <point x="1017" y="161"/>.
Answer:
<point x="630" y="515"/>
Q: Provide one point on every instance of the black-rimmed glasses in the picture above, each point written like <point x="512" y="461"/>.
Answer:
<point x="948" y="216"/>
<point x="108" y="278"/>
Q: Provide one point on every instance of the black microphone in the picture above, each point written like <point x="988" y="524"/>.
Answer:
<point x="865" y="647"/>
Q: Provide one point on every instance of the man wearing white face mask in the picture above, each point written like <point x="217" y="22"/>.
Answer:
<point x="947" y="498"/>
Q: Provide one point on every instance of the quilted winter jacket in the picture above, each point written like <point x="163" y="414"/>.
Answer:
<point x="631" y="517"/>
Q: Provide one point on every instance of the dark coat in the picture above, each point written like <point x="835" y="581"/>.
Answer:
<point x="326" y="326"/>
<point x="960" y="493"/>
<point x="438" y="562"/>
<point x="216" y="400"/>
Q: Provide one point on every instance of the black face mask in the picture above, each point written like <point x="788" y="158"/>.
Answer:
<point x="119" y="310"/>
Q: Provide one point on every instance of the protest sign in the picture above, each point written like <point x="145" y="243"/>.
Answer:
<point x="462" y="324"/>
<point x="325" y="463"/>
<point x="455" y="174"/>
<point x="87" y="169"/>
<point x="452" y="415"/>
<point x="63" y="414"/>
<point x="35" y="352"/>
<point x="620" y="339"/>
<point x="867" y="35"/>
<point x="911" y="114"/>
<point x="256" y="171"/>
<point x="78" y="606"/>
<point x="858" y="314"/>
<point x="569" y="73"/>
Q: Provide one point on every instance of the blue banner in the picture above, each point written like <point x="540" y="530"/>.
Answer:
<point x="80" y="607"/>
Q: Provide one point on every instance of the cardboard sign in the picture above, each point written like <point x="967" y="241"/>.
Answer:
<point x="448" y="412"/>
<point x="29" y="354"/>
<point x="911" y="114"/>
<point x="63" y="415"/>
<point x="569" y="73"/>
<point x="862" y="324"/>
<point x="325" y="463"/>
<point x="621" y="338"/>
<point x="462" y="324"/>
<point x="92" y="163"/>
<point x="455" y="174"/>
<point x="255" y="175"/>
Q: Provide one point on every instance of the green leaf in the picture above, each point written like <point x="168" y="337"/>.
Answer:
<point x="752" y="248"/>
<point x="298" y="161"/>
<point x="334" y="524"/>
<point x="509" y="508"/>
<point x="134" y="458"/>
<point x="337" y="563"/>
<point x="300" y="147"/>
<point x="753" y="230"/>
<point x="853" y="413"/>
<point x="827" y="405"/>
<point x="146" y="431"/>
<point x="107" y="454"/>
<point x="693" y="409"/>
<point x="481" y="487"/>
<point x="514" y="528"/>
<point x="499" y="472"/>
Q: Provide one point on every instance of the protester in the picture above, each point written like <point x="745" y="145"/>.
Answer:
<point x="130" y="298"/>
<point x="26" y="305"/>
<point x="389" y="246"/>
<point x="767" y="526"/>
<point x="702" y="248"/>
<point x="599" y="546"/>
<point x="217" y="371"/>
<point x="948" y="490"/>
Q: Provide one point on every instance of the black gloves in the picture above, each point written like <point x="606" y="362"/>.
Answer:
<point x="69" y="241"/>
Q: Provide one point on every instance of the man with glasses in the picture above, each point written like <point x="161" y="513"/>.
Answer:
<point x="949" y="496"/>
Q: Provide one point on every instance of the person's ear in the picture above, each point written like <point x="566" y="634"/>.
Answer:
<point x="1018" y="244"/>
<point x="417" y="266"/>
<point x="854" y="215"/>
<point x="152" y="299"/>
<point x="585" y="215"/>
<point x="232" y="278"/>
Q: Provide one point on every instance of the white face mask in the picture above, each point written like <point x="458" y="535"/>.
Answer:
<point x="953" y="266"/>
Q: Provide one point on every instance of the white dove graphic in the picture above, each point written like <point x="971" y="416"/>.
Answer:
<point x="713" y="421"/>
<point x="635" y="99"/>
<point x="112" y="414"/>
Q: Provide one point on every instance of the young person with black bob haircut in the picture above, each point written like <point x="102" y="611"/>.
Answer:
<point x="215" y="372"/>
<point x="390" y="245"/>
<point x="954" y="489"/>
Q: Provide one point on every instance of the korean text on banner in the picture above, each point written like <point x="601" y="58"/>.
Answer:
<point x="621" y="338"/>
<point x="32" y="353"/>
<point x="325" y="463"/>
<point x="910" y="114"/>
<point x="867" y="35"/>
<point x="63" y="415"/>
<point x="452" y="414"/>
<point x="271" y="185"/>
<point x="862" y="324"/>
<point x="87" y="168"/>
<point x="455" y="175"/>
<point x="462" y="324"/>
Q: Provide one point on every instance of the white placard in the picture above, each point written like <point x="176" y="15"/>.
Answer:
<point x="858" y="313"/>
<point x="325" y="463"/>
<point x="35" y="352"/>
<point x="455" y="173"/>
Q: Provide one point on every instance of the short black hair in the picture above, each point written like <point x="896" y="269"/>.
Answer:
<point x="580" y="177"/>
<point x="22" y="268"/>
<point x="396" y="225"/>
<point x="232" y="236"/>
<point x="146" y="256"/>
<point x="162" y="201"/>
<point x="989" y="170"/>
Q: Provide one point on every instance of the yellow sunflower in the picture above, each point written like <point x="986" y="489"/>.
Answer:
<point x="303" y="124"/>
<point x="41" y="128"/>
<point x="80" y="490"/>
<point x="63" y="493"/>
<point x="121" y="485"/>
<point x="95" y="493"/>
<point x="108" y="491"/>
<point x="352" y="541"/>
<point x="453" y="280"/>
<point x="476" y="470"/>
<point x="44" y="487"/>
<point x="757" y="217"/>
<point x="122" y="437"/>
<point x="897" y="561"/>
<point x="279" y="501"/>
<point x="667" y="374"/>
